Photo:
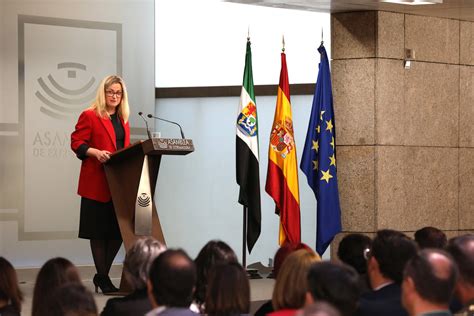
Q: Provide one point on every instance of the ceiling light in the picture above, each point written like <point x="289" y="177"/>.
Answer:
<point x="414" y="2"/>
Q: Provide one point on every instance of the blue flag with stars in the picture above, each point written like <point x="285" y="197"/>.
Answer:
<point x="319" y="158"/>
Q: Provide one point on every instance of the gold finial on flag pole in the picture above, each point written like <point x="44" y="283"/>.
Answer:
<point x="283" y="43"/>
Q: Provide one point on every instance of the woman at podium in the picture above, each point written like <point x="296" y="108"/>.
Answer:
<point x="101" y="129"/>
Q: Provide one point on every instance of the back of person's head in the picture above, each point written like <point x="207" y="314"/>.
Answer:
<point x="319" y="309"/>
<point x="214" y="252"/>
<point x="462" y="250"/>
<point x="138" y="260"/>
<point x="72" y="299"/>
<point x="433" y="274"/>
<point x="228" y="291"/>
<point x="290" y="287"/>
<point x="430" y="237"/>
<point x="172" y="279"/>
<point x="336" y="284"/>
<point x="392" y="250"/>
<point x="351" y="251"/>
<point x="54" y="273"/>
<point x="284" y="251"/>
<point x="9" y="288"/>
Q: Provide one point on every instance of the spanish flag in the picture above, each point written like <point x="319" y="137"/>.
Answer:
<point x="282" y="173"/>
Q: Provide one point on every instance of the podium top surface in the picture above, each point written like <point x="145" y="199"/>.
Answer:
<point x="156" y="146"/>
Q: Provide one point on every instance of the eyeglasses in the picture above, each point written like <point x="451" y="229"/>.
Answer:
<point x="367" y="253"/>
<point x="111" y="93"/>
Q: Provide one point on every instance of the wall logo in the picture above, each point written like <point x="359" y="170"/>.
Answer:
<point x="143" y="200"/>
<point x="60" y="102"/>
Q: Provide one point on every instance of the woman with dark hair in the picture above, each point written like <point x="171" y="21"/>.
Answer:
<point x="101" y="129"/>
<point x="54" y="273"/>
<point x="136" y="267"/>
<point x="214" y="252"/>
<point x="10" y="294"/>
<point x="228" y="291"/>
<point x="72" y="299"/>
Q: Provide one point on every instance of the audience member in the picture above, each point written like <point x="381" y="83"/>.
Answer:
<point x="430" y="237"/>
<point x="10" y="294"/>
<point x="54" y="273"/>
<point x="136" y="267"/>
<point x="428" y="284"/>
<point x="214" y="252"/>
<point x="171" y="284"/>
<point x="72" y="299"/>
<point x="462" y="250"/>
<point x="390" y="251"/>
<point x="284" y="251"/>
<point x="319" y="309"/>
<point x="336" y="284"/>
<point x="228" y="291"/>
<point x="290" y="288"/>
<point x="351" y="251"/>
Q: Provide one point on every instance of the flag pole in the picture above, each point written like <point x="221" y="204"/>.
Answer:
<point x="247" y="170"/>
<point x="244" y="239"/>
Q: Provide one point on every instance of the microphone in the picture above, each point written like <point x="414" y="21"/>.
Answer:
<point x="146" y="124"/>
<point x="162" y="119"/>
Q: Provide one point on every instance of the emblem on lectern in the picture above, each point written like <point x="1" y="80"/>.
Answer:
<point x="143" y="200"/>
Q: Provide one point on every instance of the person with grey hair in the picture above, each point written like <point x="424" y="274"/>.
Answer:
<point x="136" y="267"/>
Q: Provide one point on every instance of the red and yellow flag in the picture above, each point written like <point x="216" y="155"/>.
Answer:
<point x="282" y="173"/>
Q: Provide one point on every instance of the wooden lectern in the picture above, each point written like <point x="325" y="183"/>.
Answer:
<point x="132" y="173"/>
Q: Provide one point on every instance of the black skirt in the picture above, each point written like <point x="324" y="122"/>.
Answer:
<point x="98" y="220"/>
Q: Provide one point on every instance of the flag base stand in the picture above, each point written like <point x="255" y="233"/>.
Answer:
<point x="253" y="274"/>
<point x="271" y="275"/>
<point x="257" y="270"/>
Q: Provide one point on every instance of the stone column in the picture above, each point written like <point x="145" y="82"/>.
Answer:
<point x="405" y="136"/>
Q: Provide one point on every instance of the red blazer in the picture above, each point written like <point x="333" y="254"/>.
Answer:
<point x="97" y="133"/>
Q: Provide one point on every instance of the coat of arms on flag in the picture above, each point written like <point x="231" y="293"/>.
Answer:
<point x="247" y="120"/>
<point x="281" y="140"/>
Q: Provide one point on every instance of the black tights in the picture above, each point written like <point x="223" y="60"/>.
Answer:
<point x="104" y="252"/>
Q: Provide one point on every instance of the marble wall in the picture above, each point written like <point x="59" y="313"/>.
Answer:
<point x="405" y="136"/>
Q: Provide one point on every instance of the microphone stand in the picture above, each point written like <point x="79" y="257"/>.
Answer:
<point x="146" y="124"/>
<point x="162" y="119"/>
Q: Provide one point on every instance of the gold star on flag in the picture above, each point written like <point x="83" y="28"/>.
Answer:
<point x="321" y="115"/>
<point x="333" y="160"/>
<point x="318" y="129"/>
<point x="315" y="145"/>
<point x="315" y="164"/>
<point x="326" y="176"/>
<point x="329" y="126"/>
<point x="332" y="143"/>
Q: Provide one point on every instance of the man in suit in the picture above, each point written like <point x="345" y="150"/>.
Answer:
<point x="386" y="260"/>
<point x="428" y="283"/>
<point x="171" y="284"/>
<point x="430" y="237"/>
<point x="462" y="250"/>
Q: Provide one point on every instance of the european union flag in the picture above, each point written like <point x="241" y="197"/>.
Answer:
<point x="319" y="158"/>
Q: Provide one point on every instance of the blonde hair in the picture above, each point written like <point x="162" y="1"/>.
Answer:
<point x="291" y="283"/>
<point x="100" y="106"/>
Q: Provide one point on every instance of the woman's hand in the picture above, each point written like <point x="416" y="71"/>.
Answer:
<point x="101" y="155"/>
